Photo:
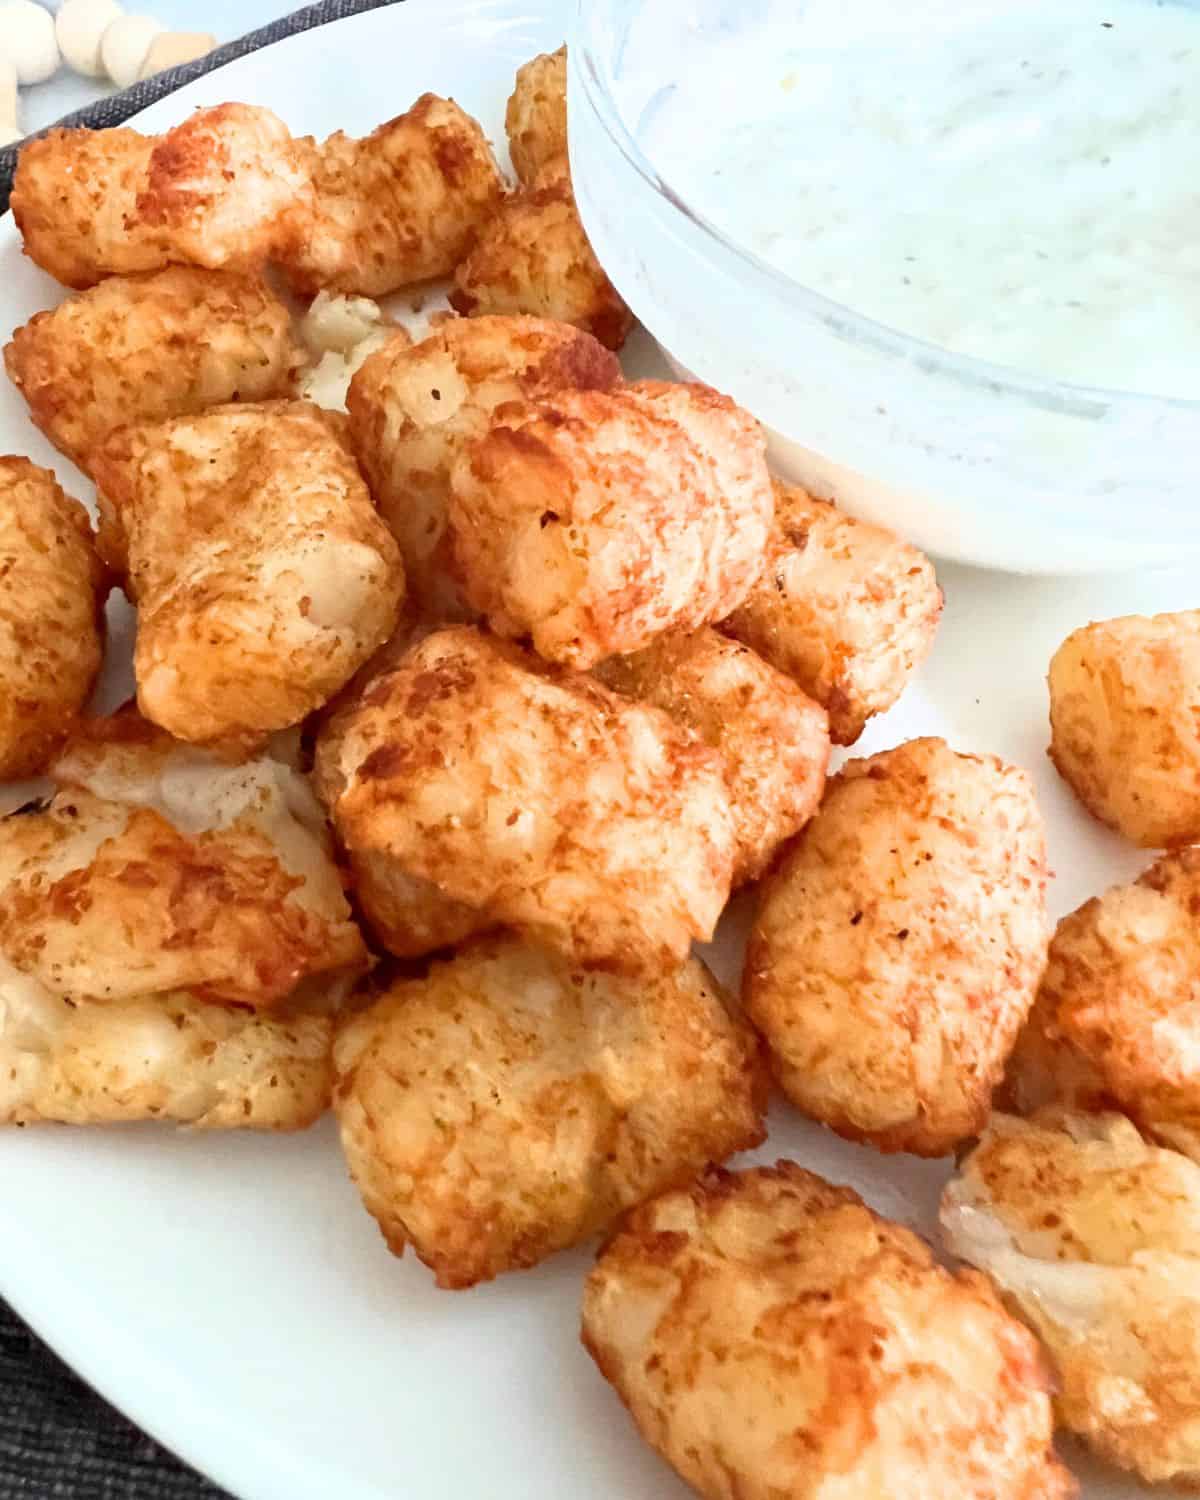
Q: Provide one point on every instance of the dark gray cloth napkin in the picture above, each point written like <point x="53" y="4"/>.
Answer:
<point x="58" y="1439"/>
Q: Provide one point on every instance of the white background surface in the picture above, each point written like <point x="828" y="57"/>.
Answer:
<point x="228" y="1291"/>
<point x="224" y="19"/>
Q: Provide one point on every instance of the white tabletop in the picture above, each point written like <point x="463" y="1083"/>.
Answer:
<point x="225" y="19"/>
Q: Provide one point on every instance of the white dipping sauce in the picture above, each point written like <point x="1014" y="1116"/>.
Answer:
<point x="1017" y="180"/>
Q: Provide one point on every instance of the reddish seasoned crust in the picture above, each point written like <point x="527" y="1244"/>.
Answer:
<point x="1125" y="724"/>
<point x="262" y="573"/>
<point x="899" y="945"/>
<point x="150" y="908"/>
<point x="772" y="1336"/>
<point x="507" y="1105"/>
<point x="534" y="257"/>
<point x="535" y="118"/>
<point x="1114" y="1025"/>
<point x="401" y="205"/>
<point x="97" y="362"/>
<point x="594" y="521"/>
<point x="227" y="189"/>
<point x="52" y="593"/>
<point x="413" y="410"/>
<point x="773" y="740"/>
<point x="550" y="804"/>
<point x="847" y="609"/>
<point x="74" y="200"/>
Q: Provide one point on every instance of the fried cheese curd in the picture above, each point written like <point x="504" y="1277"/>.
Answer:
<point x="533" y="256"/>
<point x="846" y="608"/>
<point x="771" y="1336"/>
<point x="401" y="205"/>
<point x="174" y="939"/>
<point x="594" y="521"/>
<point x="1117" y="1020"/>
<point x="773" y="740"/>
<point x="408" y="916"/>
<point x="507" y="1105"/>
<point x="1092" y="1235"/>
<point x="551" y="805"/>
<point x="143" y="348"/>
<point x="898" y="947"/>
<point x="157" y="867"/>
<point x="227" y="189"/>
<point x="535" y="119"/>
<point x="1125" y="724"/>
<point x="262" y="573"/>
<point x="52" y="593"/>
<point x="414" y="410"/>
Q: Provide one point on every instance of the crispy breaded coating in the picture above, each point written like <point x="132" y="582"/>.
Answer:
<point x="1092" y="1234"/>
<point x="414" y="410"/>
<point x="535" y="119"/>
<point x="589" y="823"/>
<point x="772" y="738"/>
<point x="535" y="257"/>
<point x="846" y="608"/>
<point x="506" y="1105"/>
<point x="262" y="573"/>
<point x="1116" y="1022"/>
<point x="401" y="205"/>
<point x="898" y="947"/>
<point x="142" y="348"/>
<point x="407" y="915"/>
<point x="773" y="1337"/>
<point x="595" y="521"/>
<point x="1125" y="724"/>
<point x="227" y="189"/>
<point x="52" y="593"/>
<point x="74" y="200"/>
<point x="160" y="1057"/>
<point x="156" y="867"/>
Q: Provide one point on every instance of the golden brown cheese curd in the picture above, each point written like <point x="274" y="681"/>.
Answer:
<point x="592" y="824"/>
<point x="170" y="1056"/>
<point x="594" y="521"/>
<point x="398" y="206"/>
<point x="414" y="410"/>
<point x="771" y="1337"/>
<point x="155" y="867"/>
<point x="52" y="593"/>
<point x="534" y="257"/>
<point x="507" y="1105"/>
<point x="898" y="947"/>
<point x="1092" y="1235"/>
<point x="1116" y="1022"/>
<point x="1125" y="722"/>
<point x="142" y="348"/>
<point x="228" y="189"/>
<point x="535" y="119"/>
<point x="407" y="915"/>
<point x="772" y="738"/>
<point x="262" y="573"/>
<point x="846" y="608"/>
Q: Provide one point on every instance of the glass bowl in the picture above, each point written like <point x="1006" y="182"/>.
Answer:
<point x="969" y="460"/>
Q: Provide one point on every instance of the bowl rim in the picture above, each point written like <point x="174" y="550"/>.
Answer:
<point x="590" y="28"/>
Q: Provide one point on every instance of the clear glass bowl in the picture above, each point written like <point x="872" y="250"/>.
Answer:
<point x="969" y="460"/>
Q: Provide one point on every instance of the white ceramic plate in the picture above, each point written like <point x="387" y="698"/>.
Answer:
<point x="228" y="1292"/>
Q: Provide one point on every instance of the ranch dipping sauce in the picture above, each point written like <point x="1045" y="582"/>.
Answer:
<point x="1018" y="182"/>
